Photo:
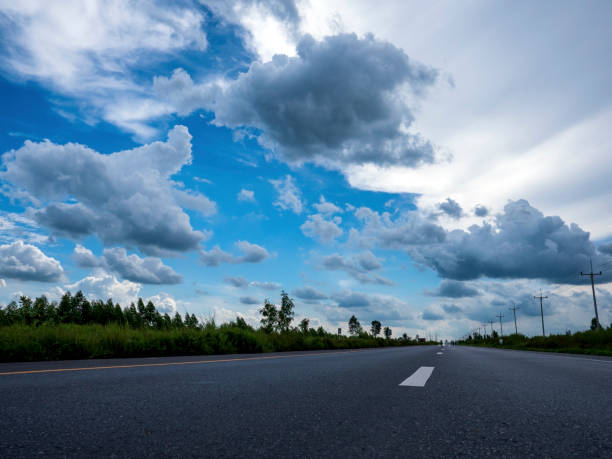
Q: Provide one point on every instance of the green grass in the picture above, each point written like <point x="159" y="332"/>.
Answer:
<point x="594" y="342"/>
<point x="72" y="341"/>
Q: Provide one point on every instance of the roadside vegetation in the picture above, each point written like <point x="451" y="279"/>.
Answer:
<point x="76" y="328"/>
<point x="596" y="341"/>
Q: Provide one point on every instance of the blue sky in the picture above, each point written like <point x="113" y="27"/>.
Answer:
<point x="421" y="164"/>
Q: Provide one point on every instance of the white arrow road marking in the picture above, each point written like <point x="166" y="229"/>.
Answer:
<point x="419" y="378"/>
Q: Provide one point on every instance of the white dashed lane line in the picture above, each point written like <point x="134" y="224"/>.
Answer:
<point x="419" y="378"/>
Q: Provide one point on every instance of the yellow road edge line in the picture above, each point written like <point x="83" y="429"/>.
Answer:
<point x="165" y="364"/>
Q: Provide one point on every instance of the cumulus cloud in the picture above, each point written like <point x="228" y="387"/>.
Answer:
<point x="451" y="308"/>
<point x="241" y="282"/>
<point x="28" y="263"/>
<point x="340" y="101"/>
<point x="147" y="270"/>
<point x="249" y="300"/>
<point x="451" y="208"/>
<point x="265" y="285"/>
<point x="252" y="253"/>
<point x="358" y="266"/>
<point x="124" y="198"/>
<point x="368" y="306"/>
<point x="309" y="294"/>
<point x="236" y="281"/>
<point x="246" y="195"/>
<point x="164" y="303"/>
<point x="454" y="289"/>
<point x="520" y="243"/>
<point x="326" y="208"/>
<point x="103" y="286"/>
<point x="84" y="258"/>
<point x="481" y="211"/>
<point x="289" y="195"/>
<point x="318" y="227"/>
<point x="431" y="315"/>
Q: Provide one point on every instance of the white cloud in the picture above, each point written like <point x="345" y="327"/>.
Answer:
<point x="252" y="253"/>
<point x="93" y="51"/>
<point x="359" y="267"/>
<point x="104" y="286"/>
<point x="126" y="198"/>
<point x="318" y="227"/>
<point x="27" y="262"/>
<point x="164" y="303"/>
<point x="289" y="195"/>
<point x="85" y="258"/>
<point x="326" y="208"/>
<point x="246" y="195"/>
<point x="147" y="270"/>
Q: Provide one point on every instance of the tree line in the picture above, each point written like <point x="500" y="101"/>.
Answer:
<point x="77" y="309"/>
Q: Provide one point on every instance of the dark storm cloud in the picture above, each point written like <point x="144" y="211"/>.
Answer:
<point x="605" y="248"/>
<point x="339" y="101"/>
<point x="520" y="243"/>
<point x="249" y="300"/>
<point x="124" y="198"/>
<point x="430" y="315"/>
<point x="451" y="208"/>
<point x="308" y="293"/>
<point x="481" y="211"/>
<point x="451" y="308"/>
<point x="453" y="289"/>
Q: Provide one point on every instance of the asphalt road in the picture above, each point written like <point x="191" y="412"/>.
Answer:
<point x="475" y="402"/>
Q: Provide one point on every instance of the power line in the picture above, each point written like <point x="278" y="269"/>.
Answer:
<point x="501" y="328"/>
<point x="513" y="309"/>
<point x="592" y="275"/>
<point x="541" y="310"/>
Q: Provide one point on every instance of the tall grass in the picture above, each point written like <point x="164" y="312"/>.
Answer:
<point x="585" y="342"/>
<point x="20" y="342"/>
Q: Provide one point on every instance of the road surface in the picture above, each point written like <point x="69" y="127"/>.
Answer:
<point x="395" y="402"/>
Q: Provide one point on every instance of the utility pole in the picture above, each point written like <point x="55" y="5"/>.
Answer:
<point x="592" y="275"/>
<point x="491" y="322"/>
<point x="541" y="310"/>
<point x="501" y="328"/>
<point x="513" y="309"/>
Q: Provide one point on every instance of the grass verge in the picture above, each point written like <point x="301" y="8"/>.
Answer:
<point x="593" y="342"/>
<point x="71" y="341"/>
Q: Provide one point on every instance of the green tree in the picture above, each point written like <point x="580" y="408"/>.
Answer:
<point x="354" y="326"/>
<point x="177" y="320"/>
<point x="269" y="317"/>
<point x="304" y="325"/>
<point x="375" y="328"/>
<point x="387" y="332"/>
<point x="285" y="313"/>
<point x="594" y="324"/>
<point x="150" y="314"/>
<point x="27" y="311"/>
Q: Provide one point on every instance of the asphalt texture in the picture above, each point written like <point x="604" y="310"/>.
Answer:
<point x="477" y="402"/>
